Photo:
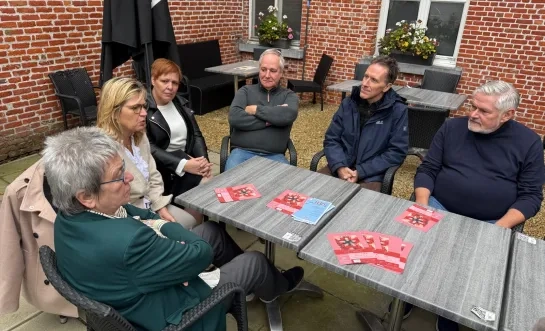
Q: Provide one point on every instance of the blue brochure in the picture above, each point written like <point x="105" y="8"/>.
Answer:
<point x="312" y="211"/>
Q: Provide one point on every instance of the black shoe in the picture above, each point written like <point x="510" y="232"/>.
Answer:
<point x="444" y="324"/>
<point x="406" y="312"/>
<point x="294" y="276"/>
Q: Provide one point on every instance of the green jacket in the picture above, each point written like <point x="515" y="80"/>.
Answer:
<point x="125" y="264"/>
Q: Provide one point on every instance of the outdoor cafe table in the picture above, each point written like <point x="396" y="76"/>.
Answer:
<point x="459" y="263"/>
<point x="244" y="69"/>
<point x="415" y="96"/>
<point x="524" y="300"/>
<point x="270" y="179"/>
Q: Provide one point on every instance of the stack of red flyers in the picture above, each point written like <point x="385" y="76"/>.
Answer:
<point x="288" y="202"/>
<point x="382" y="250"/>
<point x="237" y="193"/>
<point x="419" y="217"/>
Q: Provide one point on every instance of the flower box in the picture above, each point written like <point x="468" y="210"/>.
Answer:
<point x="406" y="57"/>
<point x="282" y="43"/>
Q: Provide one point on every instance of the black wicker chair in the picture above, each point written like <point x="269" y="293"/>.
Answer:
<point x="359" y="70"/>
<point x="317" y="84"/>
<point x="226" y="149"/>
<point x="423" y="124"/>
<point x="442" y="81"/>
<point x="103" y="317"/>
<point x="76" y="94"/>
<point x="387" y="182"/>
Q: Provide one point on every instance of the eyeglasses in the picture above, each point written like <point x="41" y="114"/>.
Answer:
<point x="122" y="179"/>
<point x="138" y="108"/>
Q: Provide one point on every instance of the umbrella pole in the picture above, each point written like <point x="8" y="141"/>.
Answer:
<point x="147" y="68"/>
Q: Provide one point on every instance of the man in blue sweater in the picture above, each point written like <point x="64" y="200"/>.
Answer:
<point x="368" y="134"/>
<point x="486" y="166"/>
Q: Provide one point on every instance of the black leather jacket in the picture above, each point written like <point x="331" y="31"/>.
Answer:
<point x="159" y="135"/>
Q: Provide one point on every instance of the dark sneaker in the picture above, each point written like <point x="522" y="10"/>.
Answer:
<point x="444" y="324"/>
<point x="406" y="312"/>
<point x="294" y="276"/>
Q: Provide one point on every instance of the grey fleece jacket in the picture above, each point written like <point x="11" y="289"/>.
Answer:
<point x="268" y="131"/>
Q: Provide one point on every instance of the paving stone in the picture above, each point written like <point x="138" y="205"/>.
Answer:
<point x="242" y="238"/>
<point x="50" y="322"/>
<point x="25" y="312"/>
<point x="3" y="186"/>
<point x="18" y="166"/>
<point x="214" y="157"/>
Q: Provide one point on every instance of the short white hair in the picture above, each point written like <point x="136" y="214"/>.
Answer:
<point x="76" y="160"/>
<point x="276" y="52"/>
<point x="509" y="97"/>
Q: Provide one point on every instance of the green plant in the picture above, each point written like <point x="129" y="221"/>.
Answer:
<point x="270" y="28"/>
<point x="410" y="38"/>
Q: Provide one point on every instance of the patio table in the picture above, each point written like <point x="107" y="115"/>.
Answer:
<point x="270" y="179"/>
<point x="459" y="263"/>
<point x="244" y="69"/>
<point x="415" y="96"/>
<point x="524" y="299"/>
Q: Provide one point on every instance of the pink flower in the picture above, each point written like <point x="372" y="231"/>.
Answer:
<point x="290" y="36"/>
<point x="290" y="30"/>
<point x="255" y="26"/>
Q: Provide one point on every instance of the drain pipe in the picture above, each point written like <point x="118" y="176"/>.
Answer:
<point x="306" y="45"/>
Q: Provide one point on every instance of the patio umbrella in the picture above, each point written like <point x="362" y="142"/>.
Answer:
<point x="141" y="29"/>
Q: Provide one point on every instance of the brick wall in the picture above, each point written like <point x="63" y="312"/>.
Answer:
<point x="502" y="40"/>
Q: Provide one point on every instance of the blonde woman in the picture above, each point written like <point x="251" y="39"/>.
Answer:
<point x="122" y="114"/>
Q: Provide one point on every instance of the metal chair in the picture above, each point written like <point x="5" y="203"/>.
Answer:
<point x="359" y="70"/>
<point x="317" y="84"/>
<point x="423" y="124"/>
<point x="76" y="94"/>
<point x="103" y="317"/>
<point x="387" y="182"/>
<point x="442" y="81"/>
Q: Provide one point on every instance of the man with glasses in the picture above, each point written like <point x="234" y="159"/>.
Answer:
<point x="368" y="134"/>
<point x="261" y="115"/>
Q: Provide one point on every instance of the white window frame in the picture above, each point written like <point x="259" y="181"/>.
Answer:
<point x="278" y="4"/>
<point x="423" y="13"/>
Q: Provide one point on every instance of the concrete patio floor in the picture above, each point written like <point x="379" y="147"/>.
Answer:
<point x="336" y="311"/>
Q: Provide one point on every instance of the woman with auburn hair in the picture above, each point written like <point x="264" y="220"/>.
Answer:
<point x="122" y="114"/>
<point x="177" y="143"/>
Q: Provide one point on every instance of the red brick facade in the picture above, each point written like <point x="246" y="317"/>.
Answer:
<point x="502" y="40"/>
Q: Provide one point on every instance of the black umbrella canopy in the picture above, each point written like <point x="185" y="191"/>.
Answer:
<point x="141" y="29"/>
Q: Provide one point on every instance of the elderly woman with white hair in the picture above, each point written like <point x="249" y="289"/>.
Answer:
<point x="144" y="267"/>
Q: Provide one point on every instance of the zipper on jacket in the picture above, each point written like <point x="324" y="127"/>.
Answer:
<point x="159" y="125"/>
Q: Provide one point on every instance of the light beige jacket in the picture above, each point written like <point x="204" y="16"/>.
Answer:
<point x="140" y="187"/>
<point x="26" y="223"/>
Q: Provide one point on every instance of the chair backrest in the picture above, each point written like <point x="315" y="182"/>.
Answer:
<point x="360" y="70"/>
<point x="442" y="81"/>
<point x="99" y="316"/>
<point x="74" y="82"/>
<point x="323" y="69"/>
<point x="195" y="57"/>
<point x="423" y="124"/>
<point x="258" y="51"/>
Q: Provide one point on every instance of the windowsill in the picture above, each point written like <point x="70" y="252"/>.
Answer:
<point x="290" y="53"/>
<point x="417" y="69"/>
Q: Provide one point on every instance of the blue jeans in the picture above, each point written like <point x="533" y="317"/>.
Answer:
<point x="239" y="155"/>
<point x="437" y="205"/>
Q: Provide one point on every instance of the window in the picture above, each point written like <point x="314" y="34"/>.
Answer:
<point x="445" y="20"/>
<point x="290" y="8"/>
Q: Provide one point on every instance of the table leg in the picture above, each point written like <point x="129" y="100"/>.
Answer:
<point x="236" y="84"/>
<point x="371" y="322"/>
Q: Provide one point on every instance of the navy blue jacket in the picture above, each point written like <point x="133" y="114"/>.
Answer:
<point x="482" y="176"/>
<point x="382" y="143"/>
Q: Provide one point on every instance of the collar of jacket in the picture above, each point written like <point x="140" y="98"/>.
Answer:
<point x="386" y="102"/>
<point x="262" y="89"/>
<point x="152" y="104"/>
<point x="34" y="199"/>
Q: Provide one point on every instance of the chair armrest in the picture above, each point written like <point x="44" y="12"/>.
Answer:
<point x="224" y="152"/>
<point x="315" y="160"/>
<point x="72" y="97"/>
<point x="518" y="227"/>
<point x="219" y="294"/>
<point x="388" y="181"/>
<point x="293" y="153"/>
<point x="413" y="197"/>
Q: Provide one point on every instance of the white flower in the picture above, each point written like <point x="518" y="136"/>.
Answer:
<point x="398" y="24"/>
<point x="413" y="26"/>
<point x="261" y="14"/>
<point x="270" y="9"/>
<point x="274" y="28"/>
<point x="402" y="21"/>
<point x="285" y="16"/>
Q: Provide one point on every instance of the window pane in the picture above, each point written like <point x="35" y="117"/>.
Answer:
<point x="260" y="6"/>
<point x="293" y="9"/>
<point x="402" y="10"/>
<point x="443" y="24"/>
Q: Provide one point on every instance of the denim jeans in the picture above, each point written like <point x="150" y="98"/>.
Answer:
<point x="437" y="205"/>
<point x="239" y="155"/>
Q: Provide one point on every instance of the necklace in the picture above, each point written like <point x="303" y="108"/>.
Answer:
<point x="120" y="213"/>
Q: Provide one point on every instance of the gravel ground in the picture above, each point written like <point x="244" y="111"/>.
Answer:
<point x="307" y="134"/>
